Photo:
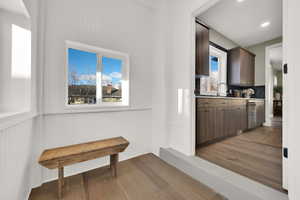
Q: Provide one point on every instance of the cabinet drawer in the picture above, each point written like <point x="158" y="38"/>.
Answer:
<point x="202" y="103"/>
<point x="237" y="102"/>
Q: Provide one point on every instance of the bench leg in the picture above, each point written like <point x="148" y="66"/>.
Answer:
<point x="60" y="182"/>
<point x="113" y="164"/>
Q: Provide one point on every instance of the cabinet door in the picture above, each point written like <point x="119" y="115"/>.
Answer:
<point x="238" y="119"/>
<point x="206" y="118"/>
<point x="247" y="68"/>
<point x="244" y="118"/>
<point x="202" y="50"/>
<point x="220" y="131"/>
<point x="230" y="121"/>
<point x="251" y="76"/>
<point x="234" y="64"/>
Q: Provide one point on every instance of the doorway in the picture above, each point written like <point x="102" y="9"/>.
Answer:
<point x="274" y="82"/>
<point x="256" y="151"/>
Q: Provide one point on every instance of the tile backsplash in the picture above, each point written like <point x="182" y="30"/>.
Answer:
<point x="259" y="90"/>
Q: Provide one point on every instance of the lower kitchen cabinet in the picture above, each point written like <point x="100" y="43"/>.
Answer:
<point x="219" y="118"/>
<point x="220" y="121"/>
<point x="230" y="121"/>
<point x="242" y="119"/>
<point x="206" y="132"/>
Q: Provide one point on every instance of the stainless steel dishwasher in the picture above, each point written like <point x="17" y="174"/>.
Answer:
<point x="251" y="110"/>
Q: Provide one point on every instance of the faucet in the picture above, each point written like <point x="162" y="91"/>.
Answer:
<point x="219" y="89"/>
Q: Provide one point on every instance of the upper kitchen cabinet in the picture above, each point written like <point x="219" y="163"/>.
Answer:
<point x="241" y="67"/>
<point x="202" y="50"/>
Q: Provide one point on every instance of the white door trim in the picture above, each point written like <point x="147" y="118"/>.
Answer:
<point x="269" y="83"/>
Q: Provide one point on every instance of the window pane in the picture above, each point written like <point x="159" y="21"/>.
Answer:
<point x="214" y="76"/>
<point x="111" y="79"/>
<point x="209" y="84"/>
<point x="82" y="67"/>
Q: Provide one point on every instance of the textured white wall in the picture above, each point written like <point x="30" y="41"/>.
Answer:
<point x="130" y="26"/>
<point x="123" y="26"/>
<point x="180" y="74"/>
<point x="19" y="135"/>
<point x="10" y="100"/>
<point x="16" y="148"/>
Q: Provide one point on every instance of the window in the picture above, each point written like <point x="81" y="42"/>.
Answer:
<point x="215" y="83"/>
<point x="97" y="76"/>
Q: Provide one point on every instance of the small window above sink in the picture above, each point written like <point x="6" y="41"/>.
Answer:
<point x="215" y="82"/>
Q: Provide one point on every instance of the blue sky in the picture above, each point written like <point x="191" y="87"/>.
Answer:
<point x="214" y="63"/>
<point x="113" y="68"/>
<point x="83" y="67"/>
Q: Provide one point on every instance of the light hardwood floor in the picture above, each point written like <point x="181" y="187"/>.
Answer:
<point x="142" y="178"/>
<point x="255" y="154"/>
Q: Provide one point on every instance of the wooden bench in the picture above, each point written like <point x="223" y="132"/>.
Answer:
<point x="68" y="155"/>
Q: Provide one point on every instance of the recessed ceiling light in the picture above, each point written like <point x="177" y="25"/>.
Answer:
<point x="240" y="1"/>
<point x="265" y="24"/>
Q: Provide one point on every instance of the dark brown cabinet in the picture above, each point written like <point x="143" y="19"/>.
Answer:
<point x="244" y="118"/>
<point x="231" y="116"/>
<point x="219" y="118"/>
<point x="206" y="117"/>
<point x="202" y="50"/>
<point x="241" y="67"/>
<point x="221" y="127"/>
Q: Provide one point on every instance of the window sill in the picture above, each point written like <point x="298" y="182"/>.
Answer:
<point x="97" y="109"/>
<point x="10" y="119"/>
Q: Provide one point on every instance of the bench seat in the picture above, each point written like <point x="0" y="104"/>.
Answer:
<point x="68" y="155"/>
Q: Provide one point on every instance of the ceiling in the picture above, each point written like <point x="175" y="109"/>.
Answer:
<point x="240" y="21"/>
<point x="16" y="6"/>
<point x="276" y="58"/>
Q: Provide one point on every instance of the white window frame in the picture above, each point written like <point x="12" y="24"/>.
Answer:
<point x="222" y="56"/>
<point x="222" y="68"/>
<point x="100" y="53"/>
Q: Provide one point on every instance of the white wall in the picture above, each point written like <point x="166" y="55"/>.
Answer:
<point x="16" y="136"/>
<point x="16" y="147"/>
<point x="181" y="70"/>
<point x="159" y="81"/>
<point x="20" y="134"/>
<point x="129" y="26"/>
<point x="15" y="90"/>
<point x="260" y="59"/>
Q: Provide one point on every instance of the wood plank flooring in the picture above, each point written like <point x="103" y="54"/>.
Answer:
<point x="145" y="177"/>
<point x="255" y="154"/>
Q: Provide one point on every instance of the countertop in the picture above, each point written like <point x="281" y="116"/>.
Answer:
<point x="221" y="97"/>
